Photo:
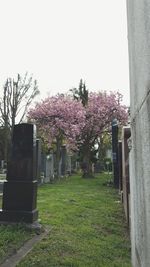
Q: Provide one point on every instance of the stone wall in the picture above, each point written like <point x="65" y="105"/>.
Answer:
<point x="138" y="15"/>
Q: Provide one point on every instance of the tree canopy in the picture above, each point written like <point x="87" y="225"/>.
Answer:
<point x="17" y="96"/>
<point x="63" y="117"/>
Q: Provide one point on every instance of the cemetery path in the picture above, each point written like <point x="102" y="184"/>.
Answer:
<point x="88" y="226"/>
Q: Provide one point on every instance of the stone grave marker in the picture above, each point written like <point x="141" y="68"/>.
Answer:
<point x="38" y="160"/>
<point x="20" y="189"/>
<point x="63" y="160"/>
<point x="126" y="133"/>
<point x="115" y="152"/>
<point x="120" y="164"/>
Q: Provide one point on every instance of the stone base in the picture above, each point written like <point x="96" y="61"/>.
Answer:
<point x="19" y="196"/>
<point x="18" y="216"/>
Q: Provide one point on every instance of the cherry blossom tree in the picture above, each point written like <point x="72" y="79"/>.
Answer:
<point x="62" y="117"/>
<point x="59" y="118"/>
<point x="100" y="110"/>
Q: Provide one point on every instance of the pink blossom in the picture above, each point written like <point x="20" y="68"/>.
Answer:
<point x="61" y="116"/>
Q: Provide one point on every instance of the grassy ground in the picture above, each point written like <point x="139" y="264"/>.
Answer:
<point x="2" y="176"/>
<point x="88" y="226"/>
<point x="12" y="237"/>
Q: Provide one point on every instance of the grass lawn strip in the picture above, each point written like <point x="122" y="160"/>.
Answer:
<point x="24" y="250"/>
<point x="12" y="237"/>
<point x="89" y="228"/>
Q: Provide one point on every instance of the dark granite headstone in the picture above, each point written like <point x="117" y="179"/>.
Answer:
<point x="120" y="164"/>
<point x="115" y="152"/>
<point x="20" y="189"/>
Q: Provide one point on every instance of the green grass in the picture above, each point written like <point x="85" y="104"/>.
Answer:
<point x="2" y="176"/>
<point x="88" y="226"/>
<point x="12" y="237"/>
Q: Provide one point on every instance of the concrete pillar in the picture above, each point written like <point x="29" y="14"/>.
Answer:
<point x="138" y="16"/>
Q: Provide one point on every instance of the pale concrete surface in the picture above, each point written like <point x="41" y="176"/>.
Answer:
<point x="138" y="14"/>
<point x="139" y="51"/>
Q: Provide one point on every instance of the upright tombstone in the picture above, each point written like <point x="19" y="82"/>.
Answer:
<point x="2" y="164"/>
<point x="126" y="133"/>
<point x="69" y="164"/>
<point x="115" y="152"/>
<point x="20" y="189"/>
<point x="38" y="160"/>
<point x="49" y="168"/>
<point x="120" y="164"/>
<point x="63" y="159"/>
<point x="43" y="163"/>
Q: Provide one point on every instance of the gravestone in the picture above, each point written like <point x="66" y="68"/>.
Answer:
<point x="69" y="170"/>
<point x="2" y="164"/>
<point x="49" y="168"/>
<point x="38" y="160"/>
<point x="63" y="159"/>
<point x="98" y="167"/>
<point x="120" y="164"/>
<point x="51" y="158"/>
<point x="43" y="163"/>
<point x="126" y="133"/>
<point x="20" y="189"/>
<point x="115" y="152"/>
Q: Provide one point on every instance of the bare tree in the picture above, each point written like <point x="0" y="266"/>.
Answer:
<point x="17" y="96"/>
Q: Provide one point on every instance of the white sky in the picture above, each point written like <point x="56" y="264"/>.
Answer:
<point x="62" y="41"/>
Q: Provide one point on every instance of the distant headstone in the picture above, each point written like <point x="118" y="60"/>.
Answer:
<point x="115" y="152"/>
<point x="69" y="164"/>
<point x="63" y="160"/>
<point x="2" y="164"/>
<point x="51" y="166"/>
<point x="20" y="189"/>
<point x="120" y="164"/>
<point x="126" y="133"/>
<point x="43" y="163"/>
<point x="48" y="169"/>
<point x="38" y="160"/>
<point x="98" y="167"/>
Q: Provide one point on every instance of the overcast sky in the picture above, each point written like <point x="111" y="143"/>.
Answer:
<point x="62" y="41"/>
